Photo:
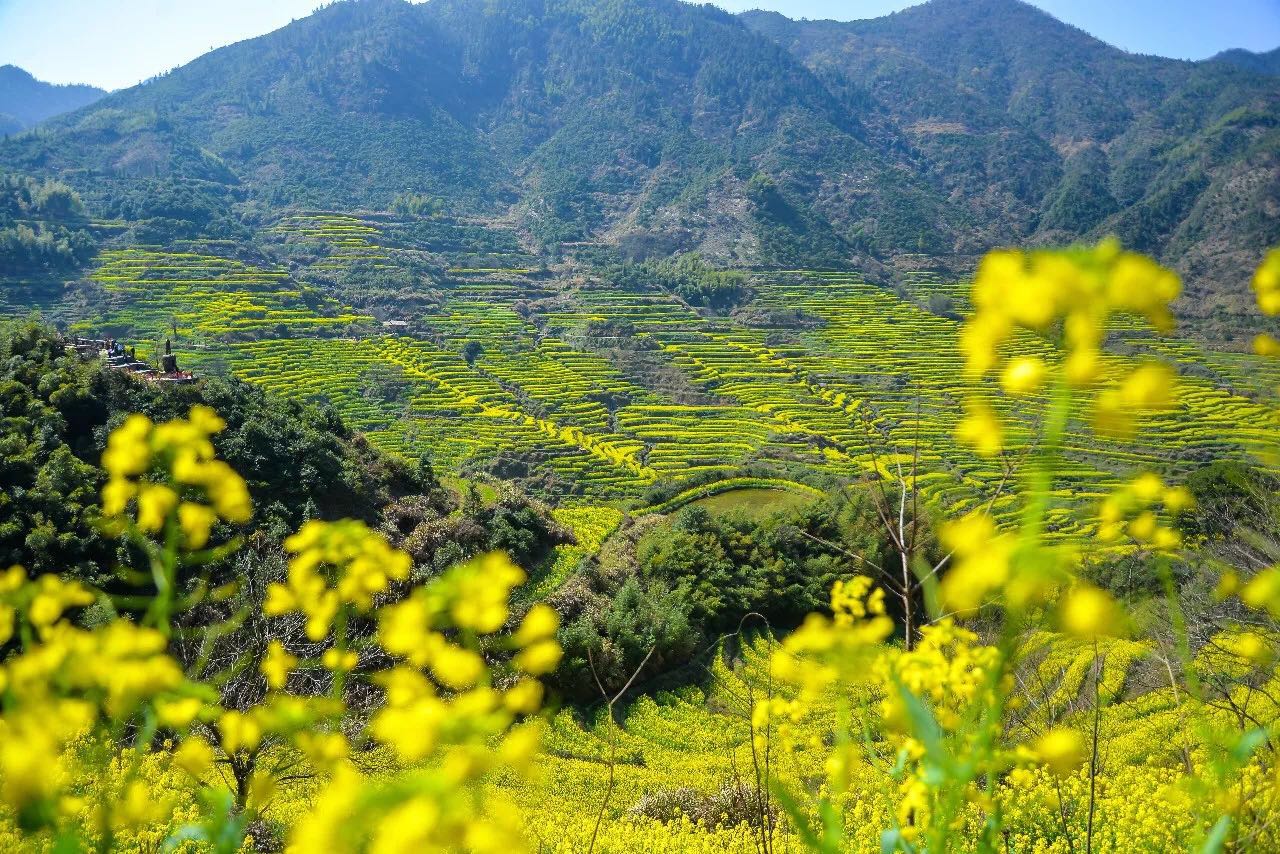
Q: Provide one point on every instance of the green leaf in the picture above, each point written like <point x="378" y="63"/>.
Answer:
<point x="800" y="822"/>
<point x="1248" y="743"/>
<point x="1217" y="836"/>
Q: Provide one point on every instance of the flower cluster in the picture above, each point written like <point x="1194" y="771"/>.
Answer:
<point x="170" y="471"/>
<point x="1070" y="295"/>
<point x="66" y="685"/>
<point x="1266" y="288"/>
<point x="989" y="565"/>
<point x="1266" y="284"/>
<point x="334" y="564"/>
<point x="1079" y="289"/>
<point x="443" y="707"/>
<point x="947" y="669"/>
<point x="837" y="649"/>
<point x="72" y="697"/>
<point x="939" y="702"/>
<point x="1134" y="509"/>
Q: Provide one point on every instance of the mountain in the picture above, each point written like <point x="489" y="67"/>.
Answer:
<point x="26" y="101"/>
<point x="661" y="126"/>
<point x="1262" y="63"/>
<point x="1015" y="113"/>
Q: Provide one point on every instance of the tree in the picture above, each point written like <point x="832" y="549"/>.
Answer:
<point x="471" y="351"/>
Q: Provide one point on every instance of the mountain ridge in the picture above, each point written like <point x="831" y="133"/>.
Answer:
<point x="1266" y="62"/>
<point x="660" y="126"/>
<point x="26" y="101"/>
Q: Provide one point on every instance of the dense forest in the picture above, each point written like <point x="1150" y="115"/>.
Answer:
<point x="43" y="229"/>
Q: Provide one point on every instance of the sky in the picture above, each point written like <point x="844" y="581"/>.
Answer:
<point x="117" y="43"/>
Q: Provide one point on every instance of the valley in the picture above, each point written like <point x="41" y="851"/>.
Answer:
<point x="636" y="427"/>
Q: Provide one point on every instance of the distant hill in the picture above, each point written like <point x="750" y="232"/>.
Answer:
<point x="26" y="101"/>
<point x="1262" y="63"/>
<point x="661" y="126"/>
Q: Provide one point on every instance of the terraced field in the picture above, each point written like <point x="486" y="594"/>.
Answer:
<point x="605" y="392"/>
<point x="190" y="292"/>
<point x="347" y="239"/>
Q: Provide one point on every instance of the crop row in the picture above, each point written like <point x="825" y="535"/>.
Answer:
<point x="152" y="293"/>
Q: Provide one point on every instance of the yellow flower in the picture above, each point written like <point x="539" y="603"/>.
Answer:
<point x="541" y="622"/>
<point x="280" y="600"/>
<point x="1150" y="386"/>
<point x="981" y="561"/>
<point x="1255" y="648"/>
<point x="1147" y="486"/>
<point x="410" y="827"/>
<point x="525" y="697"/>
<point x="196" y="520"/>
<point x="239" y="731"/>
<point x="28" y="767"/>
<point x="179" y="713"/>
<point x="541" y="657"/>
<point x="456" y="667"/>
<point x="54" y="596"/>
<point x="1062" y="750"/>
<point x="334" y="563"/>
<point x="1023" y="375"/>
<point x="1228" y="585"/>
<point x="1178" y="499"/>
<point x="1089" y="612"/>
<point x="1080" y="287"/>
<point x="138" y="807"/>
<point x="981" y="430"/>
<point x="1266" y="283"/>
<point x="404" y="629"/>
<point x="277" y="664"/>
<point x="155" y="503"/>
<point x="179" y="452"/>
<point x="128" y="454"/>
<point x="1082" y="366"/>
<point x="520" y="747"/>
<point x="12" y="579"/>
<point x="1262" y="592"/>
<point x="335" y="808"/>
<point x="1266" y="345"/>
<point x="1143" y="527"/>
<point x="336" y="659"/>
<point x="7" y="615"/>
<point x="324" y="749"/>
<point x="230" y="495"/>
<point x="116" y="496"/>
<point x="206" y="420"/>
<point x="482" y="588"/>
<point x="194" y="755"/>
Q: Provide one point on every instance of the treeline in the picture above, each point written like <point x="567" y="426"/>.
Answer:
<point x="665" y="592"/>
<point x="43" y="231"/>
<point x="301" y="462"/>
<point x="688" y="277"/>
<point x="165" y="209"/>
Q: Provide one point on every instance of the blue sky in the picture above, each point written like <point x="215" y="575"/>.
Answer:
<point x="116" y="43"/>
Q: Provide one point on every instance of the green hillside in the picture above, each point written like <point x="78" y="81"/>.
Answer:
<point x="661" y="126"/>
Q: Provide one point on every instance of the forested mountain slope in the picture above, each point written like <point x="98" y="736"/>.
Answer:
<point x="1267" y="62"/>
<point x="664" y="126"/>
<point x="26" y="101"/>
<point x="1045" y="133"/>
